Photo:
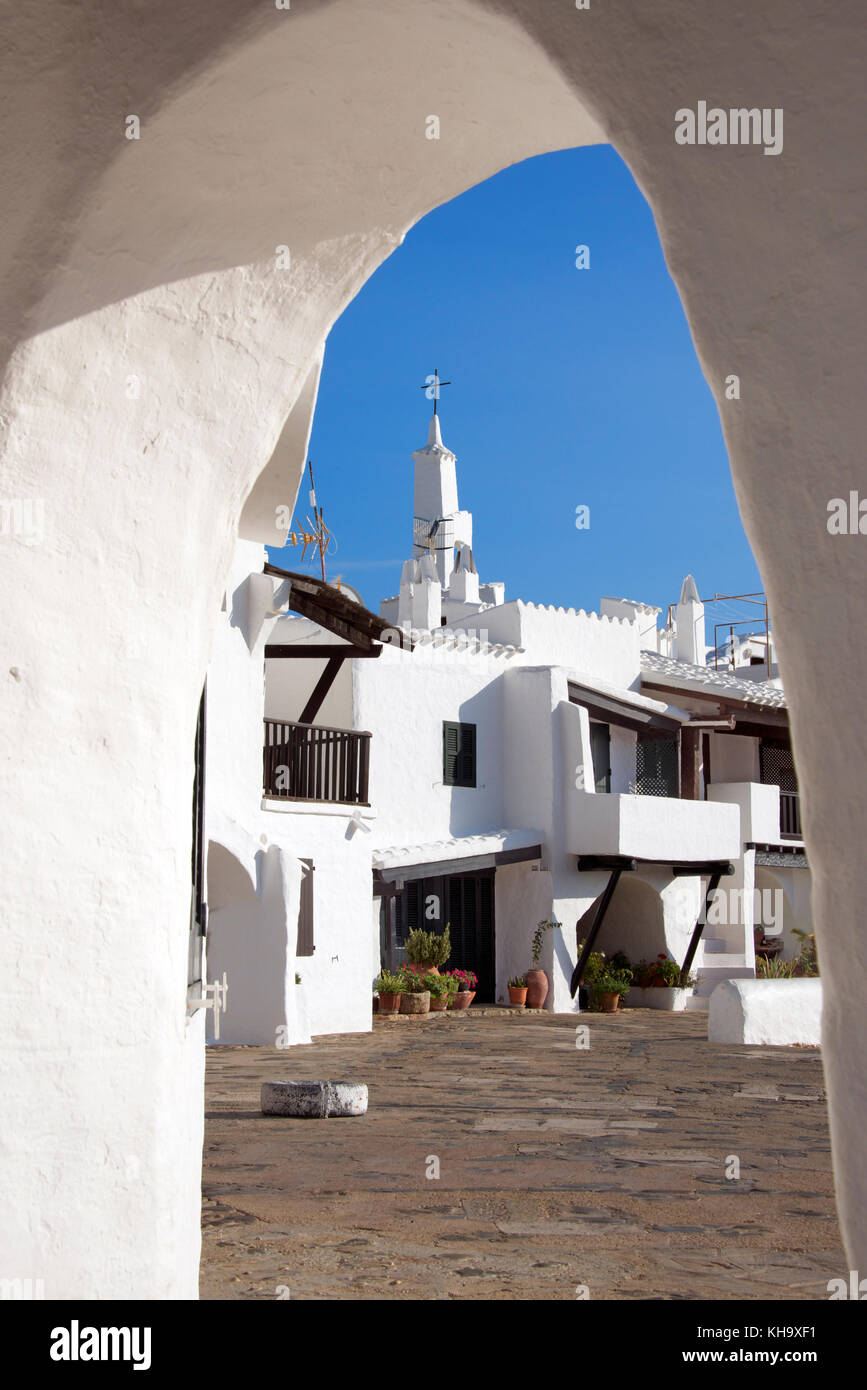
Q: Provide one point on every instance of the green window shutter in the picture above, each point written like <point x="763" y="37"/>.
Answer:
<point x="459" y="754"/>
<point x="600" y="750"/>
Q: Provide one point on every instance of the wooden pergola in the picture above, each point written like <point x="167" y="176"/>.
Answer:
<point x="360" y="630"/>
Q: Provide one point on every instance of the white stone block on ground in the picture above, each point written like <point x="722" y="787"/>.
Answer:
<point x="766" y="1012"/>
<point x="313" y="1100"/>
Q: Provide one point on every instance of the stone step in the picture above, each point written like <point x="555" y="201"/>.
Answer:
<point x="729" y="962"/>
<point x="706" y="987"/>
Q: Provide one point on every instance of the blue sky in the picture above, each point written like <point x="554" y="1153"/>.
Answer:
<point x="570" y="387"/>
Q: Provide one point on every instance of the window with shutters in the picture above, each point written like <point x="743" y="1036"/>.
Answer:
<point x="600" y="749"/>
<point x="304" y="946"/>
<point x="459" y="754"/>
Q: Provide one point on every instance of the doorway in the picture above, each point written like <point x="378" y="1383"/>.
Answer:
<point x="466" y="903"/>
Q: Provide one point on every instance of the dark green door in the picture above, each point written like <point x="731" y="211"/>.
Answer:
<point x="466" y="903"/>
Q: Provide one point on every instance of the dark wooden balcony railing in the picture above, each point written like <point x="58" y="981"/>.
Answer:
<point x="310" y="762"/>
<point x="790" y="816"/>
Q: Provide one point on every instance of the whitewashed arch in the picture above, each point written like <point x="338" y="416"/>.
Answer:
<point x="155" y="260"/>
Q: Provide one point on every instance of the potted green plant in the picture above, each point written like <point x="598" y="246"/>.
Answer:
<point x="415" y="996"/>
<point x="537" y="980"/>
<point x="518" y="990"/>
<point x="807" y="963"/>
<point x="664" y="972"/>
<point x="438" y="986"/>
<point x="608" y="988"/>
<point x="426" y="951"/>
<point x="466" y="984"/>
<point x="389" y="984"/>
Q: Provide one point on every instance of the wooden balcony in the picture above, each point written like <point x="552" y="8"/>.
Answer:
<point x="311" y="762"/>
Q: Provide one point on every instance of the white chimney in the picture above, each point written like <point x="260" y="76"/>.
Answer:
<point x="427" y="597"/>
<point x="689" y="625"/>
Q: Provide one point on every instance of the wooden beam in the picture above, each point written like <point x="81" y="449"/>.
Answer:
<point x="699" y="927"/>
<point x="601" y="909"/>
<point x="591" y="863"/>
<point x="453" y="868"/>
<point x="690" y="763"/>
<point x="702" y="866"/>
<point x="316" y="651"/>
<point x="321" y="689"/>
<point x="609" y="710"/>
<point x="323" y="604"/>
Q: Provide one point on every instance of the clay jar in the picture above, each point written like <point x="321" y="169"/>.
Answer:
<point x="537" y="988"/>
<point x="463" y="999"/>
<point x="415" y="1003"/>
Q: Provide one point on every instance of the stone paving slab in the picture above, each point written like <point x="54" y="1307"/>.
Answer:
<point x="559" y="1166"/>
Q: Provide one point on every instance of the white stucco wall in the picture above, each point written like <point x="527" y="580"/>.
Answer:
<point x="734" y="758"/>
<point x="522" y="898"/>
<point x="759" y="805"/>
<point x="775" y="1013"/>
<point x="600" y="646"/>
<point x="289" y="683"/>
<point x="403" y="699"/>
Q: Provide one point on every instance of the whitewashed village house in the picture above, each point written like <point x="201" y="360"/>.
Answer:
<point x="482" y="762"/>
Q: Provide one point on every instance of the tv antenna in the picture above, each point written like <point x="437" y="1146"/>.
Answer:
<point x="317" y="537"/>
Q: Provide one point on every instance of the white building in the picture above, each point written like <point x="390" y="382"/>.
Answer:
<point x="483" y="763"/>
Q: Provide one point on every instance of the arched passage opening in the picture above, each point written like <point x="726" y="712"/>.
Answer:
<point x="144" y="295"/>
<point x="634" y="922"/>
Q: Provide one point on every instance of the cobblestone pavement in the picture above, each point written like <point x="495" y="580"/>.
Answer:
<point x="559" y="1166"/>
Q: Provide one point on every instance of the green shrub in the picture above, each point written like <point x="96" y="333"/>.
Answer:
<point x="437" y="984"/>
<point x="608" y="982"/>
<point x="774" y="969"/>
<point x="808" y="959"/>
<point x="539" y="933"/>
<point x="411" y="983"/>
<point x="388" y="982"/>
<point x="428" y="947"/>
<point x="620" y="962"/>
<point x="594" y="966"/>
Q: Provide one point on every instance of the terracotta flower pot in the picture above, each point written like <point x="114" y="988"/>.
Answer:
<point x="421" y="969"/>
<point x="609" y="1003"/>
<point x="439" y="1005"/>
<point x="389" y="1004"/>
<point x="537" y="988"/>
<point x="415" y="1003"/>
<point x="517" y="996"/>
<point x="463" y="999"/>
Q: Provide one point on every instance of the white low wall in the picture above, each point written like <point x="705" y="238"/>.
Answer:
<point x="674" y="999"/>
<point x="775" y="1012"/>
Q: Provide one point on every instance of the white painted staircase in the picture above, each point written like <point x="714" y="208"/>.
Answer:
<point x="719" y="963"/>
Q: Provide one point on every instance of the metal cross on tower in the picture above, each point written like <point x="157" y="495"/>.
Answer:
<point x="432" y="387"/>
